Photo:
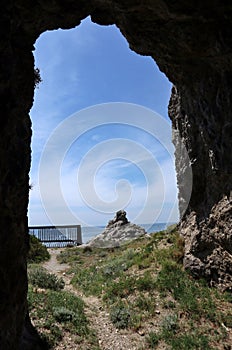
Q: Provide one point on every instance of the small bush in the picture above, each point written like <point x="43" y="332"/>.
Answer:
<point x="87" y="249"/>
<point x="53" y="336"/>
<point x="146" y="282"/>
<point x="102" y="254"/>
<point x="227" y="296"/>
<point x="62" y="314"/>
<point x="37" y="251"/>
<point x="39" y="277"/>
<point x="120" y="316"/>
<point x="177" y="251"/>
<point x="72" y="316"/>
<point x="170" y="323"/>
<point x="153" y="340"/>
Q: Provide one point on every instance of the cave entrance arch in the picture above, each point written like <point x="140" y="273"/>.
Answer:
<point x="192" y="45"/>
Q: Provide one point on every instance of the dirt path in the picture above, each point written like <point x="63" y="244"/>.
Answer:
<point x="109" y="337"/>
<point x="53" y="265"/>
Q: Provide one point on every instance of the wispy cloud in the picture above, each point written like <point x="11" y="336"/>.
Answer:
<point x="114" y="174"/>
<point x="123" y="163"/>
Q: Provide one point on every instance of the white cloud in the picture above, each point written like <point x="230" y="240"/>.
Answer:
<point x="143" y="195"/>
<point x="61" y="61"/>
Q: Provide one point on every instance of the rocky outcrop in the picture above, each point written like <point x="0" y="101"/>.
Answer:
<point x="120" y="219"/>
<point x="207" y="223"/>
<point x="192" y="45"/>
<point x="208" y="245"/>
<point x="117" y="232"/>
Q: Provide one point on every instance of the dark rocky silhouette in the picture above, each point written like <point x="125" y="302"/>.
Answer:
<point x="192" y="45"/>
<point x="120" y="219"/>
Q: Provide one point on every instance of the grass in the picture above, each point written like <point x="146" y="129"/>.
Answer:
<point x="59" y="313"/>
<point x="145" y="288"/>
<point x="56" y="313"/>
<point x="144" y="282"/>
<point x="96" y="279"/>
<point x="192" y="296"/>
<point x="39" y="277"/>
<point x="192" y="341"/>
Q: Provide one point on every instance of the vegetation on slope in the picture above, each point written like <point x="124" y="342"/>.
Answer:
<point x="58" y="314"/>
<point x="145" y="289"/>
<point x="37" y="251"/>
<point x="55" y="313"/>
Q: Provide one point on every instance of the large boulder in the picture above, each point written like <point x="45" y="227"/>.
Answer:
<point x="117" y="232"/>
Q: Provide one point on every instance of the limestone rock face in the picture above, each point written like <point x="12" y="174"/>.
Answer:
<point x="208" y="245"/>
<point x="193" y="46"/>
<point x="117" y="232"/>
<point x="207" y="223"/>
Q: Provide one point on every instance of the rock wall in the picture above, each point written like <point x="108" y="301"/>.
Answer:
<point x="16" y="94"/>
<point x="203" y="119"/>
<point x="191" y="42"/>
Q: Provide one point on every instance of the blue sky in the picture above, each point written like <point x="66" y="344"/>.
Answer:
<point x="100" y="131"/>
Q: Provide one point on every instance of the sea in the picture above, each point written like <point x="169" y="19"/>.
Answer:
<point x="89" y="232"/>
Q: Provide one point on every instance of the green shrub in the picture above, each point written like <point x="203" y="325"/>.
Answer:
<point x="168" y="304"/>
<point x="57" y="312"/>
<point x="170" y="323"/>
<point x="190" y="342"/>
<point x="120" y="316"/>
<point x="71" y="316"/>
<point x="62" y="314"/>
<point x="153" y="340"/>
<point x="39" y="277"/>
<point x="146" y="282"/>
<point x="37" y="251"/>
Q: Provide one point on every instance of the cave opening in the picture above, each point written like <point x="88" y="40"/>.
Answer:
<point x="192" y="45"/>
<point x="84" y="67"/>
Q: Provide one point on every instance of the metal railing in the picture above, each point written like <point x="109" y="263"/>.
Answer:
<point x="57" y="236"/>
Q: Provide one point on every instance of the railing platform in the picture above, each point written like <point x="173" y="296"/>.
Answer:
<point x="57" y="236"/>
